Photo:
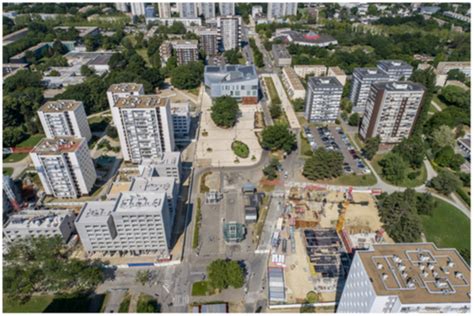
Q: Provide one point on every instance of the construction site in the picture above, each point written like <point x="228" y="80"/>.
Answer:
<point x="315" y="237"/>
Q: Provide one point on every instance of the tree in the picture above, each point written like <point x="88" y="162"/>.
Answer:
<point x="187" y="76"/>
<point x="298" y="105"/>
<point x="394" y="167"/>
<point x="270" y="171"/>
<point x="456" y="74"/>
<point x="412" y="150"/>
<point x="54" y="73"/>
<point x="425" y="204"/>
<point x="399" y="215"/>
<point x="86" y="71"/>
<point x="354" y="119"/>
<point x="232" y="56"/>
<point x="275" y="111"/>
<point x="456" y="96"/>
<point x="442" y="136"/>
<point x="371" y="147"/>
<point x="143" y="276"/>
<point x="446" y="157"/>
<point x="225" y="111"/>
<point x="445" y="182"/>
<point x="13" y="136"/>
<point x="41" y="265"/>
<point x="225" y="273"/>
<point x="372" y="10"/>
<point x="323" y="164"/>
<point x="276" y="137"/>
<point x="155" y="59"/>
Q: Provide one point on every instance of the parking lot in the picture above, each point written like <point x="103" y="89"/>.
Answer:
<point x="334" y="138"/>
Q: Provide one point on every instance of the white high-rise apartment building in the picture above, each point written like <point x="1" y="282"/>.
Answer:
<point x="323" y="99"/>
<point x="144" y="126"/>
<point x="164" y="10"/>
<point x="407" y="278"/>
<point x="137" y="8"/>
<point x="64" y="166"/>
<point x="137" y="223"/>
<point x="187" y="10"/>
<point x="391" y="110"/>
<point x="277" y="10"/>
<point x="123" y="90"/>
<point x="230" y="31"/>
<point x="396" y="69"/>
<point x="362" y="79"/>
<point x="181" y="119"/>
<point x="121" y="6"/>
<point x="64" y="118"/>
<point x="226" y="8"/>
<point x="207" y="9"/>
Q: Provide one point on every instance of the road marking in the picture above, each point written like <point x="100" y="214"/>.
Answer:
<point x="166" y="289"/>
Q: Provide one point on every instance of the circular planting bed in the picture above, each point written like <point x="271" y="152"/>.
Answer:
<point x="240" y="149"/>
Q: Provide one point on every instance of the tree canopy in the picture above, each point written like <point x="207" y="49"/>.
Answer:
<point x="445" y="182"/>
<point x="41" y="265"/>
<point x="323" y="164"/>
<point x="225" y="273"/>
<point x="371" y="147"/>
<point x="187" y="76"/>
<point x="225" y="111"/>
<point x="276" y="137"/>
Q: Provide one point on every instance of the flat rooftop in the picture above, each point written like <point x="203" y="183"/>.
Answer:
<point x="154" y="184"/>
<point x="445" y="66"/>
<point x="399" y="86"/>
<point x="58" y="106"/>
<point x="179" y="107"/>
<point x="167" y="158"/>
<point x="96" y="212"/>
<point x="293" y="78"/>
<point x="58" y="145"/>
<point x="394" y="64"/>
<point x="370" y="73"/>
<point x="337" y="71"/>
<point x="141" y="202"/>
<point x="40" y="219"/>
<point x="142" y="101"/>
<point x="418" y="273"/>
<point x="325" y="82"/>
<point x="280" y="51"/>
<point x="125" y="87"/>
<point x="193" y="43"/>
<point x="83" y="30"/>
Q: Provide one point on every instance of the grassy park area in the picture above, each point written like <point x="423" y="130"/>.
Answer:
<point x="407" y="183"/>
<point x="202" y="288"/>
<point x="28" y="143"/>
<point x="447" y="227"/>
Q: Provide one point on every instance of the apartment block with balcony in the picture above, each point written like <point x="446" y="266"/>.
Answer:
<point x="209" y="40"/>
<point x="186" y="51"/>
<point x="230" y="31"/>
<point x="64" y="118"/>
<point x="181" y="116"/>
<point x="396" y="69"/>
<point x="391" y="111"/>
<point x="64" y="166"/>
<point x="144" y="126"/>
<point x="187" y="10"/>
<point x="323" y="99"/>
<point x="362" y="79"/>
<point x="137" y="223"/>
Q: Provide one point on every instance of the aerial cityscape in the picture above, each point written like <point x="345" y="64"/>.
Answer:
<point x="236" y="157"/>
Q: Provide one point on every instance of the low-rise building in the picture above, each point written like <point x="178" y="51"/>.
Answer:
<point x="237" y="81"/>
<point x="170" y="21"/>
<point x="293" y="84"/>
<point x="64" y="118"/>
<point x="166" y="51"/>
<point x="338" y="73"/>
<point x="310" y="70"/>
<point x="445" y="66"/>
<point x="281" y="55"/>
<point x="83" y="30"/>
<point x="304" y="39"/>
<point x="137" y="223"/>
<point x="36" y="223"/>
<point x="15" y="36"/>
<point x="323" y="98"/>
<point x="457" y="16"/>
<point x="11" y="69"/>
<point x="464" y="144"/>
<point x="64" y="166"/>
<point x="98" y="61"/>
<point x="407" y="278"/>
<point x="391" y="111"/>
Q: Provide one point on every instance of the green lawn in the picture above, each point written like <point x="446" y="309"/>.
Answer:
<point x="272" y="93"/>
<point x="440" y="103"/>
<point x="28" y="143"/>
<point x="305" y="148"/>
<point x="447" y="227"/>
<point x="8" y="171"/>
<point x="355" y="180"/>
<point x="144" y="54"/>
<point x="125" y="304"/>
<point x="36" y="304"/>
<point x="147" y="304"/>
<point x="408" y="183"/>
<point x="51" y="304"/>
<point x="202" y="288"/>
